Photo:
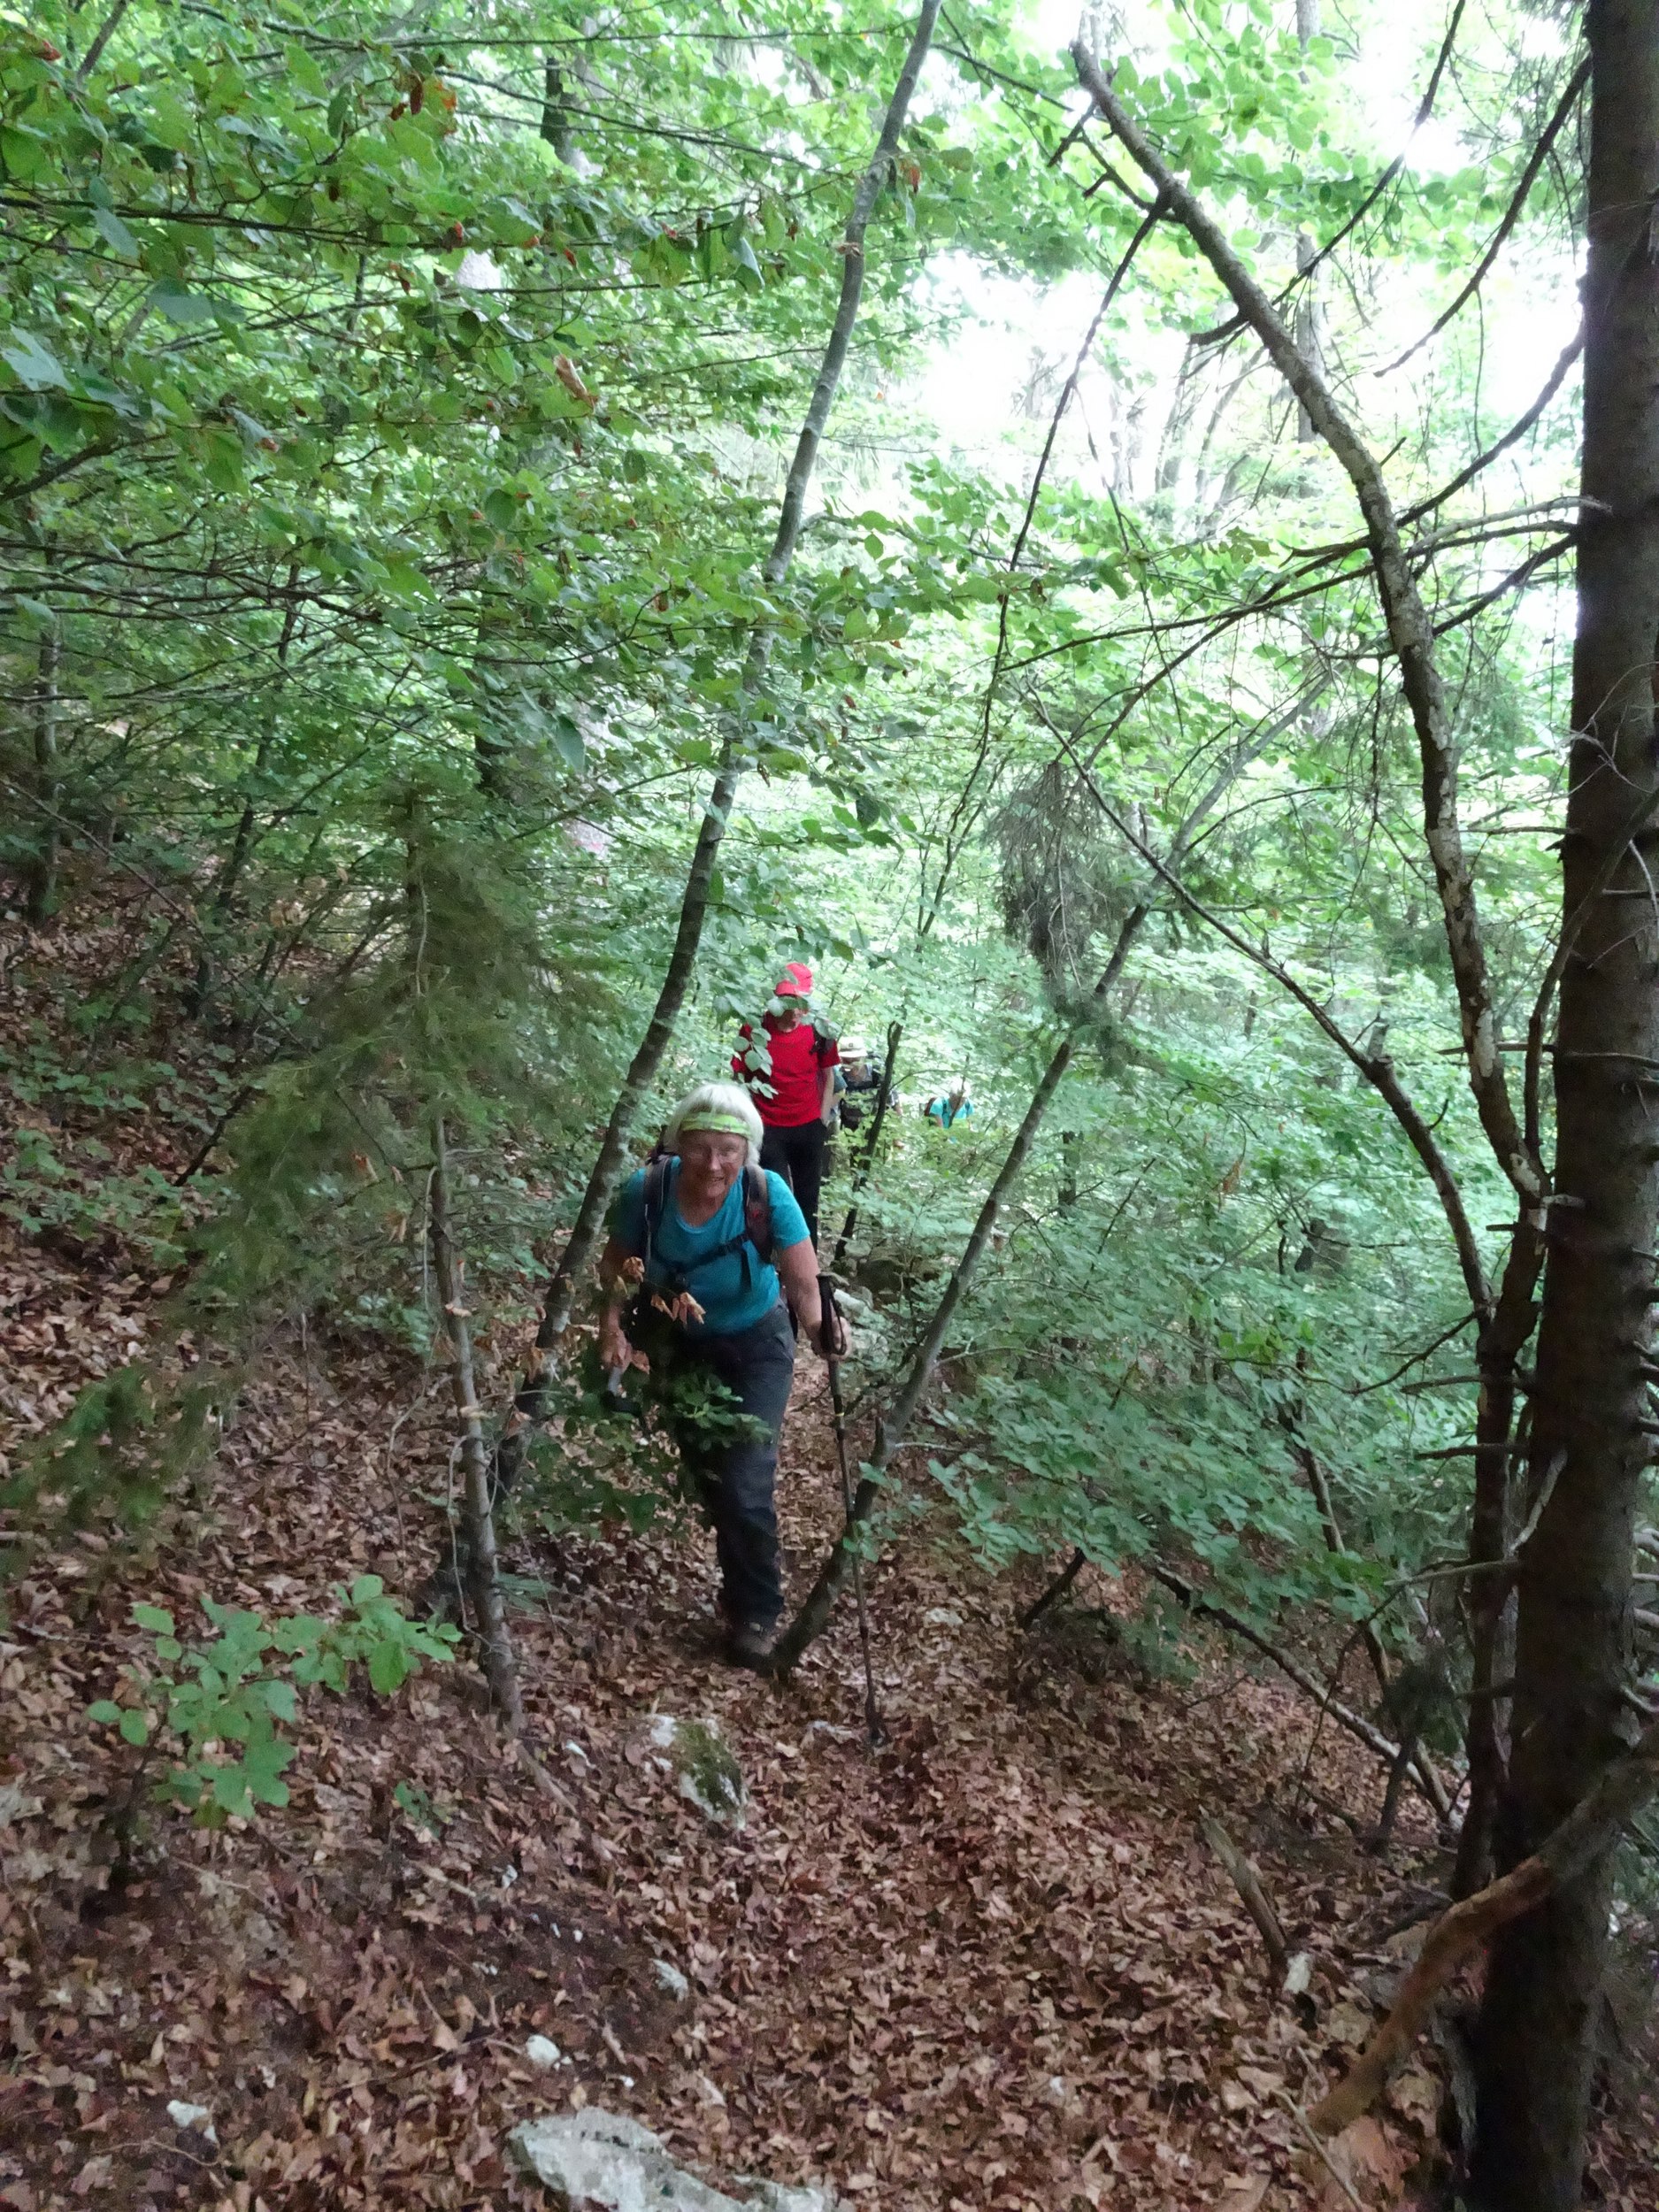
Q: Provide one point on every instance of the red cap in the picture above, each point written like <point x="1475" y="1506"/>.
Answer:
<point x="795" y="982"/>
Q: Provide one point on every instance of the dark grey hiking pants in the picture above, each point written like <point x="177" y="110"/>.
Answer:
<point x="734" y="1478"/>
<point x="798" y="1155"/>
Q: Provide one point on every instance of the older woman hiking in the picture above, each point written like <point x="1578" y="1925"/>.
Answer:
<point x="701" y="1244"/>
<point x="791" y="1072"/>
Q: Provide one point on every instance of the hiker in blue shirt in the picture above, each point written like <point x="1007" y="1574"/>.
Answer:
<point x="951" y="1105"/>
<point x="704" y="1247"/>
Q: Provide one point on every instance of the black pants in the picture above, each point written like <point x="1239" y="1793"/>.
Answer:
<point x="734" y="1477"/>
<point x="798" y="1155"/>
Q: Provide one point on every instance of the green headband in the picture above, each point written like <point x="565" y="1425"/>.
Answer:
<point x="715" y="1121"/>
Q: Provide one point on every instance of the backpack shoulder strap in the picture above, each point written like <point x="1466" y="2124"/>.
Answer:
<point x="757" y="1212"/>
<point x="656" y="1189"/>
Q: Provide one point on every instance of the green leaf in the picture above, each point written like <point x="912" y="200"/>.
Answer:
<point x="170" y="122"/>
<point x="303" y="72"/>
<point x="388" y="1666"/>
<point x="230" y="1790"/>
<point x="22" y="151"/>
<point x="365" y="1589"/>
<point x="567" y="741"/>
<point x="155" y="1618"/>
<point x="105" y="1711"/>
<point x="134" y="1726"/>
<point x="179" y="306"/>
<point x="114" y="232"/>
<point x="31" y="363"/>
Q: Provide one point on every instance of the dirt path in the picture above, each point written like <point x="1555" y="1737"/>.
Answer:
<point x="990" y="1966"/>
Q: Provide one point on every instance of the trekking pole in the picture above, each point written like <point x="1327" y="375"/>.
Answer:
<point x="873" y="1727"/>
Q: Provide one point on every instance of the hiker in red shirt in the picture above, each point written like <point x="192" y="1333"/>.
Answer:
<point x="790" y="1073"/>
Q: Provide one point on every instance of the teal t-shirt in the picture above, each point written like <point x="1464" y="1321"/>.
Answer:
<point x="717" y="1287"/>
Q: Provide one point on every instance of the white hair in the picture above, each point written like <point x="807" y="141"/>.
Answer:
<point x="720" y="1098"/>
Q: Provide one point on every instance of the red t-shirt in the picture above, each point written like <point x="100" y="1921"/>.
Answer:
<point x="799" y="1057"/>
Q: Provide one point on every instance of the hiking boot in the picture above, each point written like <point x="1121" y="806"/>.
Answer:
<point x="749" y="1643"/>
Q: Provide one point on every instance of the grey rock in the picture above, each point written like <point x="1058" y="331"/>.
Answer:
<point x="704" y="1766"/>
<point x="670" y="1978"/>
<point x="608" y="2161"/>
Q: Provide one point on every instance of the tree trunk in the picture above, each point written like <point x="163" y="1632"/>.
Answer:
<point x="813" y="1617"/>
<point x="41" y="891"/>
<point x="1537" y="2027"/>
<point x="477" y="1519"/>
<point x="867" y="1157"/>
<point x="1489" y="1600"/>
<point x="530" y="1404"/>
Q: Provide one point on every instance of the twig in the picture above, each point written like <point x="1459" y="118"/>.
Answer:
<point x="1336" y="2173"/>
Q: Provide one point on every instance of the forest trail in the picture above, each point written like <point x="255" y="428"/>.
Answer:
<point x="989" y="1965"/>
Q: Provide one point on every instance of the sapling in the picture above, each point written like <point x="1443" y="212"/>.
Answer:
<point x="216" y="1711"/>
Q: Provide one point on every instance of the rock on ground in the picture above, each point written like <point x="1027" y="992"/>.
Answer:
<point x="705" y="1765"/>
<point x="607" y="2159"/>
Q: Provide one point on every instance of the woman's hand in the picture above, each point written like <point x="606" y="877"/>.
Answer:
<point x="615" y="1352"/>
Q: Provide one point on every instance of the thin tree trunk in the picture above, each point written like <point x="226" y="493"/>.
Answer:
<point x="556" y="122"/>
<point x="1505" y="1325"/>
<point x="1498" y="1348"/>
<point x="813" y="1617"/>
<point x="1355" y="1723"/>
<point x="1410" y="630"/>
<point x="477" y="1519"/>
<point x="530" y="1403"/>
<point x="1536" y="2041"/>
<point x="867" y="1157"/>
<point x="41" y="896"/>
<point x="243" y="842"/>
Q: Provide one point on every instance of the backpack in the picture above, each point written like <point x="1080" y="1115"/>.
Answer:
<point x="756" y="1231"/>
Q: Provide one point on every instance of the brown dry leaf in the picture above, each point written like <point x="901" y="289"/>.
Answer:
<point x="1415" y="2095"/>
<point x="1371" y="2160"/>
<point x="886" y="1974"/>
<point x="1349" y="2024"/>
<point x="1243" y="2195"/>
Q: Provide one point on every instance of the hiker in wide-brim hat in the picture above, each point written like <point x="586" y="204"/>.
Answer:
<point x="705" y="1246"/>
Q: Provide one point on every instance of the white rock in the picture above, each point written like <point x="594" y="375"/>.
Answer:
<point x="198" y="2116"/>
<point x="541" y="2050"/>
<point x="942" y="1616"/>
<point x="709" y="1777"/>
<point x="608" y="2161"/>
<point x="670" y="1978"/>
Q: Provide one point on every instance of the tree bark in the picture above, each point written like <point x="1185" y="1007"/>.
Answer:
<point x="1410" y="631"/>
<point x="867" y="1157"/>
<point x="530" y="1403"/>
<point x="1255" y="1898"/>
<point x="1573" y="1640"/>
<point x="1355" y="1723"/>
<point x="41" y="889"/>
<point x="477" y="1519"/>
